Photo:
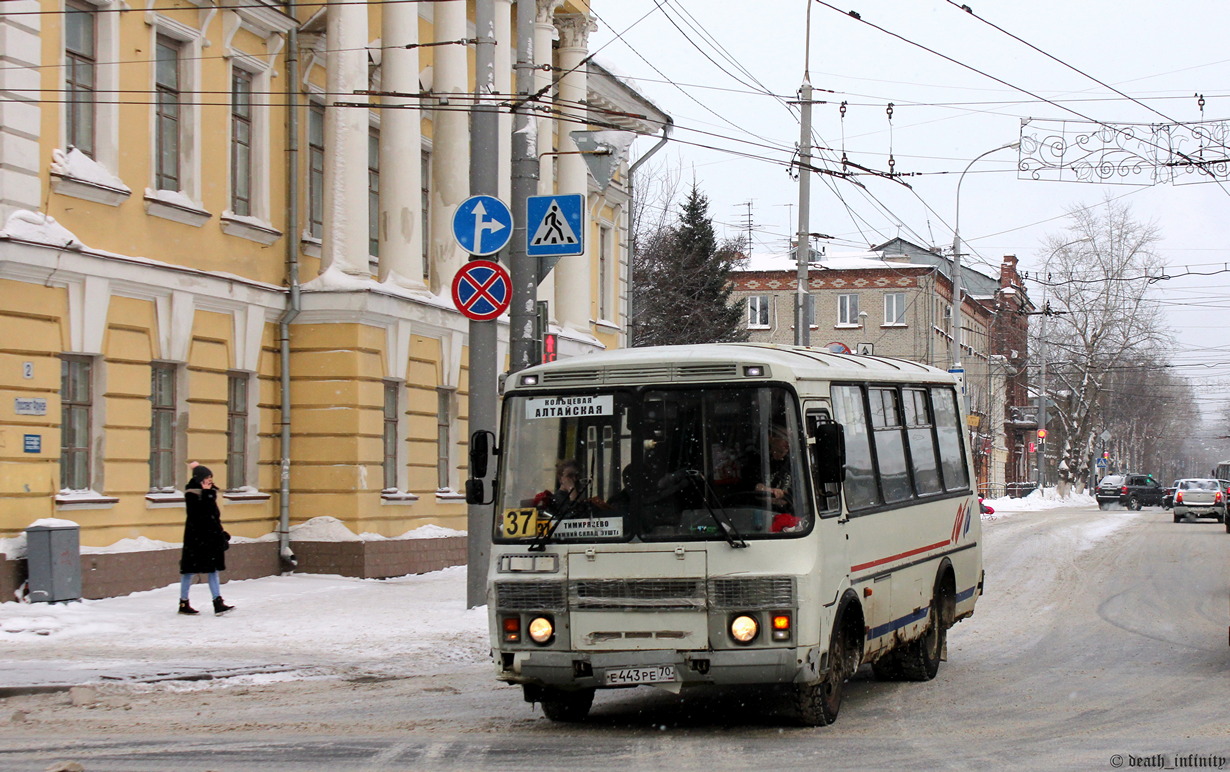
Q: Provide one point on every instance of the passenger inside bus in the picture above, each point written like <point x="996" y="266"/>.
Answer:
<point x="568" y="491"/>
<point x="779" y="484"/>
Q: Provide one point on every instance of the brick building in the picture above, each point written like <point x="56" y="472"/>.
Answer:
<point x="895" y="300"/>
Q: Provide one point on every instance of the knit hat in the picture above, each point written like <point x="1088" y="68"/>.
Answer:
<point x="199" y="471"/>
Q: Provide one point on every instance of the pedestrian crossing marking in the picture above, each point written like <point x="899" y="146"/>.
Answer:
<point x="554" y="229"/>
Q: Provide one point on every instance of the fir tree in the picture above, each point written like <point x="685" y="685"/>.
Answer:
<point x="682" y="277"/>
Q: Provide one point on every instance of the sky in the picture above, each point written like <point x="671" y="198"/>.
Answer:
<point x="413" y="625"/>
<point x="728" y="82"/>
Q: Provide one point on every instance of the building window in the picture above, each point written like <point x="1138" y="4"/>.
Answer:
<point x="241" y="143"/>
<point x="390" y="434"/>
<point x="76" y="417"/>
<point x="604" y="272"/>
<point x="80" y="54"/>
<point x="443" y="435"/>
<point x="237" y="431"/>
<point x="847" y="309"/>
<point x="167" y="136"/>
<point x="426" y="207"/>
<point x="894" y="308"/>
<point x="316" y="171"/>
<point x="373" y="192"/>
<point x="758" y="312"/>
<point x="162" y="427"/>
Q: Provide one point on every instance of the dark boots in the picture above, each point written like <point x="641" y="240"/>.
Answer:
<point x="184" y="608"/>
<point x="220" y="606"/>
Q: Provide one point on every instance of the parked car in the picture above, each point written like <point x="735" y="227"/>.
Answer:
<point x="1200" y="497"/>
<point x="1168" y="495"/>
<point x="1129" y="490"/>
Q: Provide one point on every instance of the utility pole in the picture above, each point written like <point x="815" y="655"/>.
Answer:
<point x="802" y="330"/>
<point x="484" y="180"/>
<point x="523" y="270"/>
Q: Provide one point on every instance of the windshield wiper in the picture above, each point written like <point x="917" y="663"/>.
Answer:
<point x="733" y="537"/>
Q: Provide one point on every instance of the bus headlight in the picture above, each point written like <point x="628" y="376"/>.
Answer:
<point x="743" y="628"/>
<point x="541" y="630"/>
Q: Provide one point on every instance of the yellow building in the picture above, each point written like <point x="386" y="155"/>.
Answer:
<point x="226" y="223"/>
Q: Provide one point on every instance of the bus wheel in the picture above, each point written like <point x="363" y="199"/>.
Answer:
<point x="566" y="706"/>
<point x="920" y="658"/>
<point x="818" y="703"/>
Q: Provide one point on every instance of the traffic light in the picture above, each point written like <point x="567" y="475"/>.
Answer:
<point x="1033" y="448"/>
<point x="549" y="351"/>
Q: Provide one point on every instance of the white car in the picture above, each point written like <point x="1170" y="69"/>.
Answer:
<point x="1199" y="497"/>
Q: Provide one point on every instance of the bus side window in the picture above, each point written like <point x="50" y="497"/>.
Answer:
<point x="827" y="457"/>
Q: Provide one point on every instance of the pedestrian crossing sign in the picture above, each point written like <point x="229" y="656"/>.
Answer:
<point x="555" y="226"/>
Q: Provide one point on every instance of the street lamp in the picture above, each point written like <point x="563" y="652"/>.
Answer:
<point x="1046" y="311"/>
<point x="956" y="261"/>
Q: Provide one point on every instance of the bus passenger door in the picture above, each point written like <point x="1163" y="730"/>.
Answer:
<point x="825" y="455"/>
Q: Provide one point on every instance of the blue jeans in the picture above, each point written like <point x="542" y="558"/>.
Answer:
<point x="185" y="581"/>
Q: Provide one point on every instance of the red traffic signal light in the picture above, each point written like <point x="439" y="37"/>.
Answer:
<point x="549" y="350"/>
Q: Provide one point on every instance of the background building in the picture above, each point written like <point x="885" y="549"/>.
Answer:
<point x="895" y="300"/>
<point x="225" y="237"/>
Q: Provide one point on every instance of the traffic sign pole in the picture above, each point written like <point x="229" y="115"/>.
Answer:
<point x="484" y="181"/>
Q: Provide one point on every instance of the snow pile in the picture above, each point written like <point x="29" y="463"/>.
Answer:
<point x="406" y="625"/>
<point x="37" y="227"/>
<point x="327" y="528"/>
<point x="1038" y="501"/>
<point x="79" y="166"/>
<point x="139" y="544"/>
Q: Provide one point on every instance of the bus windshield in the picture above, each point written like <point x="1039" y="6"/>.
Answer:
<point x="703" y="463"/>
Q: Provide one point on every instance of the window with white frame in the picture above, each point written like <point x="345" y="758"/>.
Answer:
<point x="426" y="207"/>
<point x="373" y="192"/>
<point x="391" y="394"/>
<point x="894" y="308"/>
<point x="80" y="74"/>
<point x="847" y="309"/>
<point x="604" y="272"/>
<point x="444" y="414"/>
<point x="241" y="142"/>
<point x="316" y="170"/>
<point x="167" y="135"/>
<point x="237" y="431"/>
<point x="163" y="406"/>
<point x="758" y="312"/>
<point x="76" y="421"/>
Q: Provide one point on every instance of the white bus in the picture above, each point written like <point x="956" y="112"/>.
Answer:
<point x="726" y="514"/>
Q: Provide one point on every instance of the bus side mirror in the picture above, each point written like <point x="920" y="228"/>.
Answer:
<point x="828" y="452"/>
<point x="476" y="492"/>
<point x="482" y="448"/>
<point x="481" y="443"/>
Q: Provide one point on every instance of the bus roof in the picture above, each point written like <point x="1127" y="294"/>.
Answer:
<point x="725" y="361"/>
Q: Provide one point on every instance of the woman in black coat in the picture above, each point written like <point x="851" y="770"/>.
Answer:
<point x="205" y="542"/>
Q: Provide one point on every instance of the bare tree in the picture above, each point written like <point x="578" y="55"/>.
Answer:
<point x="1102" y="322"/>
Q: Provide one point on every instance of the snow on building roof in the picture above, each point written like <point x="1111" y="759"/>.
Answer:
<point x="841" y="261"/>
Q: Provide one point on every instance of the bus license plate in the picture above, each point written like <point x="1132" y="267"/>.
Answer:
<point x="641" y="675"/>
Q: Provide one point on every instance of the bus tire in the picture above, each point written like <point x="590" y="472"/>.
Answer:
<point x="566" y="706"/>
<point x="819" y="703"/>
<point x="920" y="658"/>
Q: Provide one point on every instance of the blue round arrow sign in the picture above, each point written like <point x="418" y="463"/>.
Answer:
<point x="482" y="225"/>
<point x="482" y="290"/>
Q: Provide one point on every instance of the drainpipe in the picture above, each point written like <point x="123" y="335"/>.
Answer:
<point x="292" y="309"/>
<point x="666" y="130"/>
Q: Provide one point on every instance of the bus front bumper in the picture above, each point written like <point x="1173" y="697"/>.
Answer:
<point x="580" y="670"/>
